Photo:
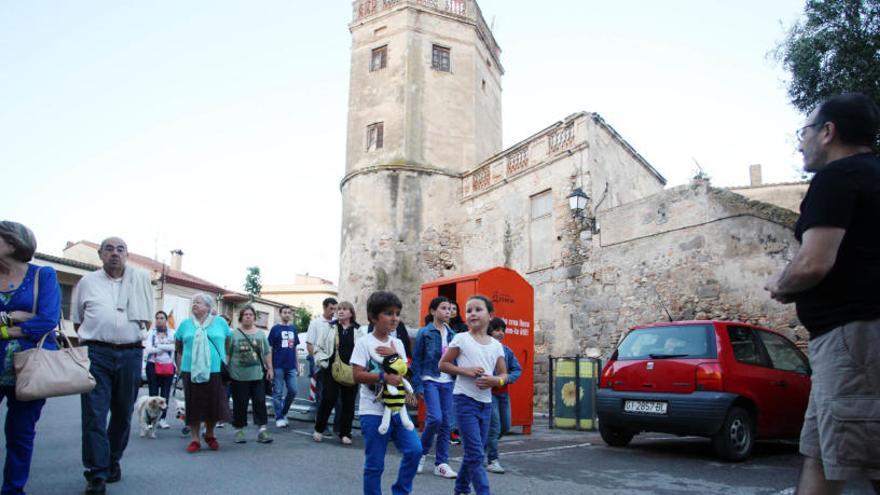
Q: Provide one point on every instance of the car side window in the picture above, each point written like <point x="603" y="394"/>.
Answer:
<point x="745" y="345"/>
<point x="783" y="354"/>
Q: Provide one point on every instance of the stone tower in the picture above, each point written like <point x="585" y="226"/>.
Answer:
<point x="424" y="107"/>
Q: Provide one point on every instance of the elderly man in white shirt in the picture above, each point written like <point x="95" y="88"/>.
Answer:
<point x="111" y="311"/>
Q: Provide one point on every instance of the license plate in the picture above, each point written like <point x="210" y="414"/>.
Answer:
<point x="644" y="406"/>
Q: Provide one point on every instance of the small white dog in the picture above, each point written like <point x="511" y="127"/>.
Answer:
<point x="149" y="412"/>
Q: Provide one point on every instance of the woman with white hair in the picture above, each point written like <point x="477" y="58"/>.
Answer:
<point x="200" y="343"/>
<point x="30" y="306"/>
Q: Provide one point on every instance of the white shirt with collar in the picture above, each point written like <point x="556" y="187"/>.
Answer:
<point x="94" y="309"/>
<point x="317" y="328"/>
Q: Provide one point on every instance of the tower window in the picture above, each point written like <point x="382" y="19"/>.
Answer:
<point x="379" y="58"/>
<point x="375" y="136"/>
<point x="440" y="58"/>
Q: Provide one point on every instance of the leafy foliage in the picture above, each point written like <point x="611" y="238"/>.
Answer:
<point x="253" y="283"/>
<point x="301" y="318"/>
<point x="833" y="49"/>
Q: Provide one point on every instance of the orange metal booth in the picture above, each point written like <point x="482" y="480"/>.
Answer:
<point x="513" y="299"/>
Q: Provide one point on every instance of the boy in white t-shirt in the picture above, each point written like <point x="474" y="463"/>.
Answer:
<point x="478" y="360"/>
<point x="383" y="310"/>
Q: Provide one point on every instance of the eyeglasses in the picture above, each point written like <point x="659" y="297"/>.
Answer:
<point x="800" y="132"/>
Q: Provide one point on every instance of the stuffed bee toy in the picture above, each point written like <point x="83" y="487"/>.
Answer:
<point x="393" y="397"/>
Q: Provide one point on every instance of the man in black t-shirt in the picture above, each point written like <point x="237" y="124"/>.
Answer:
<point x="834" y="280"/>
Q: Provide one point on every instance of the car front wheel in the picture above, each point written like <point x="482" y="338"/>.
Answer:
<point x="615" y="437"/>
<point x="736" y="438"/>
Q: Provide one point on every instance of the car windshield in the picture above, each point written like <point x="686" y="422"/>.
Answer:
<point x="668" y="342"/>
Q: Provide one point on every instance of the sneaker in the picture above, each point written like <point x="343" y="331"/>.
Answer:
<point x="444" y="471"/>
<point x="263" y="436"/>
<point x="163" y="424"/>
<point x="316" y="436"/>
<point x="193" y="447"/>
<point x="281" y="423"/>
<point x="239" y="436"/>
<point x="212" y="442"/>
<point x="421" y="464"/>
<point x="345" y="441"/>
<point x="220" y="424"/>
<point x="185" y="430"/>
<point x="454" y="439"/>
<point x="495" y="467"/>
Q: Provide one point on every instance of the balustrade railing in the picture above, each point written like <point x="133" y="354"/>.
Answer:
<point x="540" y="149"/>
<point x="481" y="178"/>
<point x="517" y="160"/>
<point x="367" y="8"/>
<point x="561" y="139"/>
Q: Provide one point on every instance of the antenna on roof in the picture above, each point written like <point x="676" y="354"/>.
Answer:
<point x="660" y="301"/>
<point x="701" y="172"/>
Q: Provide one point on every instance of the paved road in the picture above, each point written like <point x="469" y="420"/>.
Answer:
<point x="548" y="461"/>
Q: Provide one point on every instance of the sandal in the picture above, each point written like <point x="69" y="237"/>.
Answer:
<point x="194" y="447"/>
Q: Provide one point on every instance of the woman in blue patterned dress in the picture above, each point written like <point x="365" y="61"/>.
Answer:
<point x="23" y="322"/>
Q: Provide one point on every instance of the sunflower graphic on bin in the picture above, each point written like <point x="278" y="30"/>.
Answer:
<point x="571" y="401"/>
<point x="570" y="392"/>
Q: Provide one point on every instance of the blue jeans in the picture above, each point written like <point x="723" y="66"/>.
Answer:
<point x="438" y="407"/>
<point x="375" y="445"/>
<point x="20" y="430"/>
<point x="499" y="425"/>
<point x="118" y="377"/>
<point x="280" y="402"/>
<point x="473" y="427"/>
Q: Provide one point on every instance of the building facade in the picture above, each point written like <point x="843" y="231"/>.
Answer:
<point x="433" y="195"/>
<point x="307" y="291"/>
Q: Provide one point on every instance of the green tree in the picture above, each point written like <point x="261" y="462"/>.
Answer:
<point x="834" y="48"/>
<point x="253" y="283"/>
<point x="301" y="318"/>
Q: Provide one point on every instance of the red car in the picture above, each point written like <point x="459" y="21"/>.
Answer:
<point x="731" y="382"/>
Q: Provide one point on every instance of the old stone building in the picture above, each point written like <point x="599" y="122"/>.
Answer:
<point x="428" y="192"/>
<point x="784" y="194"/>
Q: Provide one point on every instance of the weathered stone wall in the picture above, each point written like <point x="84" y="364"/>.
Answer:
<point x="702" y="253"/>
<point x="433" y="118"/>
<point x="396" y="234"/>
<point x="787" y="195"/>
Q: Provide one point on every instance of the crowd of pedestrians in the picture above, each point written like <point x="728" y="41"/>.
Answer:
<point x="216" y="360"/>
<point x="459" y="368"/>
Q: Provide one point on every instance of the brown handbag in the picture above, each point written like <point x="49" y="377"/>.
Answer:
<point x="43" y="373"/>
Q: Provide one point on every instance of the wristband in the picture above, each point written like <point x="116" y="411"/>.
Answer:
<point x="4" y="332"/>
<point x="381" y="377"/>
<point x="501" y="382"/>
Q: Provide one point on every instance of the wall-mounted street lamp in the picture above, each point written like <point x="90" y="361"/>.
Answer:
<point x="577" y="201"/>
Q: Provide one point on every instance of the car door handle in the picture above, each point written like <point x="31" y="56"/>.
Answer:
<point x="780" y="383"/>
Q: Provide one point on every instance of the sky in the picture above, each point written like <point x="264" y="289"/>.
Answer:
<point x="218" y="127"/>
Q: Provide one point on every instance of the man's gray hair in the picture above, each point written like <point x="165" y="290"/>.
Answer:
<point x="22" y="240"/>
<point x="120" y="239"/>
<point x="205" y="298"/>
